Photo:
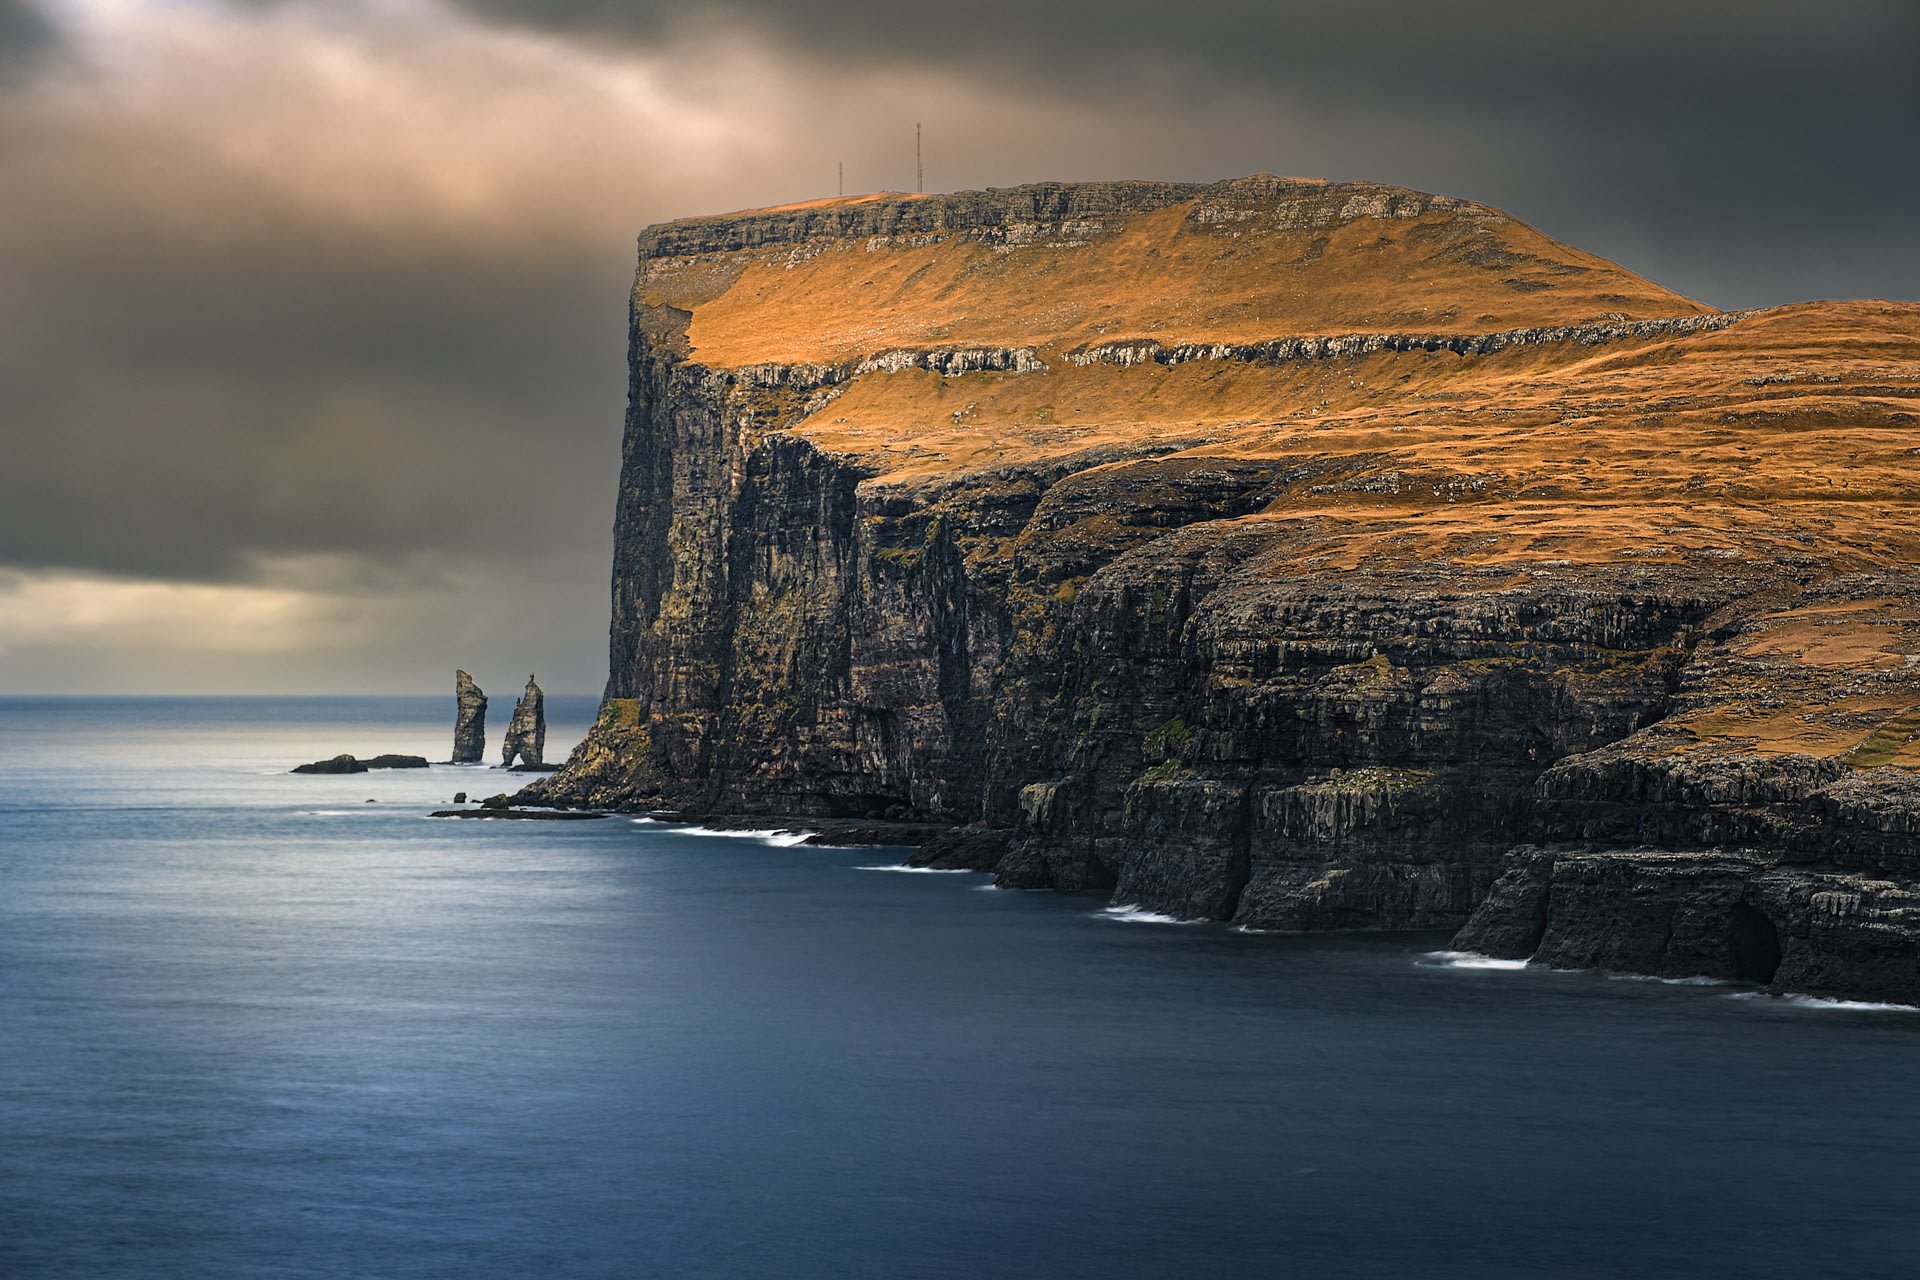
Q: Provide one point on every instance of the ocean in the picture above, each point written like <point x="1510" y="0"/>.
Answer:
<point x="252" y="1025"/>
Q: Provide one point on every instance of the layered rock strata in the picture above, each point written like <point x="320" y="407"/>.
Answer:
<point x="1311" y="556"/>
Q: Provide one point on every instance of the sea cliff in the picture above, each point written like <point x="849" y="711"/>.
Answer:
<point x="1305" y="555"/>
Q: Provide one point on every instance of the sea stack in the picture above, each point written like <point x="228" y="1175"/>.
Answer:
<point x="527" y="731"/>
<point x="469" y="721"/>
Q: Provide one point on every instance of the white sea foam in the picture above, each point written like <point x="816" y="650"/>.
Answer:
<point x="778" y="837"/>
<point x="1470" y="960"/>
<point x="1825" y="1005"/>
<point x="325" y="813"/>
<point x="1612" y="975"/>
<point x="1132" y="914"/>
<point x="784" y="838"/>
<point x="929" y="871"/>
<point x="1698" y="981"/>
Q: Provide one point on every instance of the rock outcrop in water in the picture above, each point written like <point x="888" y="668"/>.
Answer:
<point x="1311" y="556"/>
<point x="346" y="763"/>
<point x="469" y="720"/>
<point x="527" y="731"/>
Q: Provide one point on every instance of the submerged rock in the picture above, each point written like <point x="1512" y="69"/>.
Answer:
<point x="391" y="761"/>
<point x="535" y="815"/>
<point x="345" y="763"/>
<point x="342" y="763"/>
<point x="470" y="720"/>
<point x="527" y="731"/>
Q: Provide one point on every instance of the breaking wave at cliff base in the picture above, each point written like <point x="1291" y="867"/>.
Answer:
<point x="1132" y="914"/>
<point x="1468" y="960"/>
<point x="1824" y="1004"/>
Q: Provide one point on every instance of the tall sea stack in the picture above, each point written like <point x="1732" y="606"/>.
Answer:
<point x="527" y="731"/>
<point x="469" y="721"/>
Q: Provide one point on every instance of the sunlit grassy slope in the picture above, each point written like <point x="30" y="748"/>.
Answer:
<point x="1250" y="260"/>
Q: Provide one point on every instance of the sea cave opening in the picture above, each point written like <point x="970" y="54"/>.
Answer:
<point x="1754" y="944"/>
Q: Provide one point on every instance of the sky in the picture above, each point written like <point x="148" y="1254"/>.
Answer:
<point x="312" y="315"/>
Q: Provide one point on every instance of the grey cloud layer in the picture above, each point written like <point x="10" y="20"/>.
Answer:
<point x="1745" y="63"/>
<point x="26" y="37"/>
<point x="1748" y="151"/>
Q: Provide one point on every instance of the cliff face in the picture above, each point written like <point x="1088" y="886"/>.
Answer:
<point x="1308" y="556"/>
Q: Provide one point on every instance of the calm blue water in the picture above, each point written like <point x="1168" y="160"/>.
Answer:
<point x="251" y="1025"/>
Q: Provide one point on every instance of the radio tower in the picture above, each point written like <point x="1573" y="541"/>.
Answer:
<point x="919" y="168"/>
<point x="843" y="177"/>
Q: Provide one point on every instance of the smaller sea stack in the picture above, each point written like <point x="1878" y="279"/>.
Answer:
<point x="527" y="731"/>
<point x="469" y="721"/>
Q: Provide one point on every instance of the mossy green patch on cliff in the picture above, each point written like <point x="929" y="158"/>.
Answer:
<point x="614" y="767"/>
<point x="1168" y="742"/>
<point x="1157" y="601"/>
<point x="901" y="557"/>
<point x="1885" y="742"/>
<point x="774" y="635"/>
<point x="619" y="723"/>
<point x="1501" y="662"/>
<point x="619" y="713"/>
<point x="1324" y="885"/>
<point x="1164" y="748"/>
<point x="1377" y="781"/>
<point x="1374" y="671"/>
<point x="1166" y="771"/>
<point x="904" y="542"/>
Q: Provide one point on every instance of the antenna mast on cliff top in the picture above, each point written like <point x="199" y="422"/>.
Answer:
<point x="919" y="169"/>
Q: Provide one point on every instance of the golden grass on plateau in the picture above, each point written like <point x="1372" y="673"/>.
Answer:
<point x="1826" y="730"/>
<point x="1843" y="695"/>
<point x="1789" y="433"/>
<point x="823" y="202"/>
<point x="1147" y="276"/>
<point x="1857" y="639"/>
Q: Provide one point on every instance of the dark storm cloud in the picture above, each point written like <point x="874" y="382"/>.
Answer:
<point x="27" y="38"/>
<point x="210" y="403"/>
<point x="1588" y="60"/>
<point x="319" y="308"/>
<point x="1745" y="151"/>
<point x="25" y="31"/>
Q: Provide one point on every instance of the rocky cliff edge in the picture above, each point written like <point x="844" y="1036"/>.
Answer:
<point x="1306" y="555"/>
